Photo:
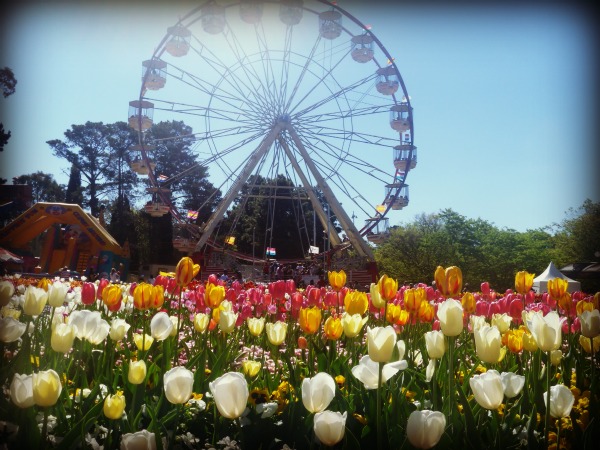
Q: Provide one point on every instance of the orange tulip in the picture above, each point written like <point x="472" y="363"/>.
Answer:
<point x="157" y="297"/>
<point x="388" y="287"/>
<point x="584" y="305"/>
<point x="43" y="284"/>
<point x="214" y="295"/>
<point x="332" y="328"/>
<point x="337" y="280"/>
<point x="557" y="288"/>
<point x="310" y="319"/>
<point x="426" y="312"/>
<point x="356" y="302"/>
<point x="523" y="282"/>
<point x="513" y="339"/>
<point x="186" y="270"/>
<point x="448" y="281"/>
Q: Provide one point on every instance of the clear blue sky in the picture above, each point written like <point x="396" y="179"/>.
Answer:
<point x="504" y="96"/>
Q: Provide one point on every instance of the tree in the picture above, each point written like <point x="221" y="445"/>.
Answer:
<point x="43" y="187"/>
<point x="8" y="83"/>
<point x="74" y="193"/>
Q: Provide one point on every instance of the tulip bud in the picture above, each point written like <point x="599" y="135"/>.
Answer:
<point x="332" y="328"/>
<point x="329" y="427"/>
<point x="488" y="389"/>
<point x="11" y="329"/>
<point x="35" y="301"/>
<point x="488" y="343"/>
<point x="310" y="319"/>
<point x="450" y="314"/>
<point x="424" y="429"/>
<point x="512" y="384"/>
<point x="561" y="401"/>
<point x="178" y="384"/>
<point x="161" y="326"/>
<point x="142" y="341"/>
<point x="137" y="372"/>
<point x="46" y="387"/>
<point x="276" y="332"/>
<point x="523" y="282"/>
<point x="376" y="299"/>
<point x="356" y="302"/>
<point x="380" y="343"/>
<point x="7" y="290"/>
<point x="388" y="287"/>
<point x="62" y="338"/>
<point x="138" y="440"/>
<point x="201" y="322"/>
<point x="337" y="280"/>
<point x="227" y="321"/>
<point x="448" y="281"/>
<point x="251" y="368"/>
<point x="255" y="325"/>
<point x="88" y="293"/>
<point x="352" y="324"/>
<point x="435" y="343"/>
<point x="21" y="391"/>
<point x="118" y="329"/>
<point x="590" y="323"/>
<point x="57" y="293"/>
<point x="114" y="405"/>
<point x="230" y="393"/>
<point x="185" y="271"/>
<point x="318" y="392"/>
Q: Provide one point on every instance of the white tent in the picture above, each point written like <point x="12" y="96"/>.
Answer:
<point x="540" y="283"/>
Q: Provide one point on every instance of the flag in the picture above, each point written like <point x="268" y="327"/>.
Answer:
<point x="380" y="208"/>
<point x="312" y="250"/>
<point x="390" y="61"/>
<point x="230" y="240"/>
<point x="193" y="215"/>
<point x="162" y="178"/>
<point x="271" y="251"/>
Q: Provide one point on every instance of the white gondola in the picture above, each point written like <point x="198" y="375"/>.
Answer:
<point x="251" y="11"/>
<point x="397" y="195"/>
<point x="140" y="166"/>
<point x="402" y="156"/>
<point x="157" y="209"/>
<point x="380" y="231"/>
<point x="213" y="18"/>
<point x="140" y="115"/>
<point x="179" y="42"/>
<point x="387" y="81"/>
<point x="362" y="48"/>
<point x="400" y="117"/>
<point x="290" y="12"/>
<point x="154" y="74"/>
<point x="330" y="24"/>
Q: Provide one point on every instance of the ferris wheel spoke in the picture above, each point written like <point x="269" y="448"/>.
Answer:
<point x="354" y="136"/>
<point x="302" y="74"/>
<point x="370" y="110"/>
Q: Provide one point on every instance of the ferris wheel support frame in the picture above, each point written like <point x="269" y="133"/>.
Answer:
<point x="217" y="215"/>
<point x="351" y="231"/>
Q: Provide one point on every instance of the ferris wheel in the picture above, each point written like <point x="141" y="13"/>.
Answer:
<point x="299" y="88"/>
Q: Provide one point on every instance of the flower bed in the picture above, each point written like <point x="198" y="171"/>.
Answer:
<point x="184" y="364"/>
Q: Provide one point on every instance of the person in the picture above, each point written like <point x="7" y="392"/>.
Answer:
<point x="151" y="279"/>
<point x="224" y="276"/>
<point x="115" y="276"/>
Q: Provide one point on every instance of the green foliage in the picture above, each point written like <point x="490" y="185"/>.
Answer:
<point x="44" y="187"/>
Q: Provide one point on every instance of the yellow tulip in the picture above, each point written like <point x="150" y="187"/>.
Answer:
<point x="310" y="319"/>
<point x="255" y="325"/>
<point x="213" y="295"/>
<point x="223" y="306"/>
<point x="142" y="296"/>
<point x="157" y="296"/>
<point x="468" y="302"/>
<point x="333" y="328"/>
<point x="185" y="271"/>
<point x="137" y="372"/>
<point x="586" y="343"/>
<point x="337" y="280"/>
<point x="114" y="405"/>
<point x="376" y="299"/>
<point x="413" y="299"/>
<point x="356" y="302"/>
<point x="529" y="343"/>
<point x="388" y="287"/>
<point x="557" y="288"/>
<point x="112" y="295"/>
<point x="353" y="324"/>
<point x="276" y="332"/>
<point x="46" y="387"/>
<point x="43" y="284"/>
<point x="142" y="341"/>
<point x="448" y="281"/>
<point x="201" y="322"/>
<point x="523" y="282"/>
<point x="251" y="368"/>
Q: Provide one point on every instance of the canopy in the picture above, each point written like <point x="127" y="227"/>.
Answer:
<point x="9" y="257"/>
<point x="540" y="283"/>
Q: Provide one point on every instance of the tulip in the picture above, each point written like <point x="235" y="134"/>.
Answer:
<point x="21" y="390"/>
<point x="425" y="428"/>
<point x="88" y="293"/>
<point x="556" y="357"/>
<point x="380" y="343"/>
<point x="318" y="392"/>
<point x="201" y="322"/>
<point x="276" y="332"/>
<point x="557" y="288"/>
<point x="329" y="427"/>
<point x="137" y="372"/>
<point x="214" y="295"/>
<point x="468" y="302"/>
<point x="157" y="296"/>
<point x="142" y="296"/>
<point x="255" y="325"/>
<point x="114" y="405"/>
<point x="523" y="282"/>
<point x="376" y="299"/>
<point x="251" y="368"/>
<point x="529" y="343"/>
<point x="388" y="287"/>
<point x="11" y="329"/>
<point x="142" y="341"/>
<point x="352" y="324"/>
<point x="7" y="290"/>
<point x="488" y="389"/>
<point x="161" y="326"/>
<point x="112" y="295"/>
<point x="488" y="344"/>
<point x="35" y="301"/>
<point x="310" y="319"/>
<point x="140" y="440"/>
<point x="89" y="325"/>
<point x="450" y="314"/>
<point x="512" y="384"/>
<point x="586" y="343"/>
<point x="46" y="387"/>
<point x="356" y="302"/>
<point x="367" y="371"/>
<point x="118" y="329"/>
<point x="561" y="401"/>
<point x="62" y="338"/>
<point x="590" y="323"/>
<point x="502" y="322"/>
<point x="546" y="330"/>
<point x="448" y="281"/>
<point x="426" y="312"/>
<point x="514" y="340"/>
<point x="227" y="321"/>
<point x="57" y="293"/>
<point x="435" y="343"/>
<point x="178" y="384"/>
<point x="185" y="271"/>
<point x="413" y="299"/>
<point x="337" y="280"/>
<point x="332" y="328"/>
<point x="230" y="393"/>
<point x="477" y="322"/>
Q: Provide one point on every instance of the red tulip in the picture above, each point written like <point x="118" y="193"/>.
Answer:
<point x="88" y="293"/>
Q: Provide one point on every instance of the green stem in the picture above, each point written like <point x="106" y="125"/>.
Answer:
<point x="378" y="411"/>
<point x="44" y="429"/>
<point x="451" y="341"/>
<point x="547" y="420"/>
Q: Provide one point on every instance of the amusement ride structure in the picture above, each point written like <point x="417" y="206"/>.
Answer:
<point x="296" y="88"/>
